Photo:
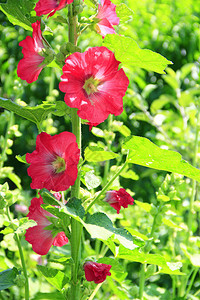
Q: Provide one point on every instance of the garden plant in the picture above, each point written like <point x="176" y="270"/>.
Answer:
<point x="99" y="125"/>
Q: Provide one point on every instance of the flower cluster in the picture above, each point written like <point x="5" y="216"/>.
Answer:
<point x="95" y="85"/>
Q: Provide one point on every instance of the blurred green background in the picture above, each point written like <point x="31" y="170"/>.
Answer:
<point x="163" y="108"/>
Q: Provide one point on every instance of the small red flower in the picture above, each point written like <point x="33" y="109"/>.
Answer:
<point x="31" y="64"/>
<point x="44" y="7"/>
<point x="40" y="238"/>
<point x="53" y="164"/>
<point x="107" y="18"/>
<point x="94" y="84"/>
<point x="96" y="272"/>
<point x="117" y="199"/>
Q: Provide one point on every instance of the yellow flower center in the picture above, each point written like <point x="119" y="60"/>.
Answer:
<point x="91" y="85"/>
<point x="59" y="165"/>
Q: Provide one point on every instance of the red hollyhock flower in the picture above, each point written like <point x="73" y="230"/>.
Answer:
<point x="96" y="272"/>
<point x="44" y="7"/>
<point x="53" y="164"/>
<point x="107" y="18"/>
<point x="31" y="65"/>
<point x="93" y="84"/>
<point x="40" y="238"/>
<point x="117" y="199"/>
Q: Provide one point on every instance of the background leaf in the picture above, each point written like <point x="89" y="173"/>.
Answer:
<point x="7" y="278"/>
<point x="129" y="54"/>
<point x="54" y="277"/>
<point x="143" y="152"/>
<point x="96" y="154"/>
<point x="34" y="114"/>
<point x="18" y="12"/>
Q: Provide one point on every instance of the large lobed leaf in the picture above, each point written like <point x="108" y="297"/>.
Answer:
<point x="130" y="54"/>
<point x="98" y="224"/>
<point x="18" y="12"/>
<point x="143" y="152"/>
<point x="34" y="114"/>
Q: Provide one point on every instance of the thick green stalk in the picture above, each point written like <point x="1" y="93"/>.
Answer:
<point x="76" y="227"/>
<point x="21" y="256"/>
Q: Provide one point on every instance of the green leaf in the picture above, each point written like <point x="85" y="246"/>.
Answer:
<point x="119" y="126"/>
<point x="18" y="12"/>
<point x="54" y="277"/>
<point x="129" y="54"/>
<point x="96" y="154"/>
<point x="34" y="114"/>
<point x="171" y="223"/>
<point x="143" y="152"/>
<point x="21" y="158"/>
<point x="7" y="278"/>
<point x="160" y="102"/>
<point x="61" y="109"/>
<point x="25" y="223"/>
<point x="101" y="227"/>
<point x="91" y="181"/>
<point x="195" y="259"/>
<point x="146" y="206"/>
<point x="49" y="296"/>
<point x="152" y="259"/>
<point x="124" y="12"/>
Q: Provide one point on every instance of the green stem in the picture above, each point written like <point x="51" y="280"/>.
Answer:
<point x="142" y="281"/>
<point x="76" y="227"/>
<point x="146" y="250"/>
<point x="106" y="186"/>
<point x="21" y="256"/>
<point x="95" y="291"/>
<point x="191" y="282"/>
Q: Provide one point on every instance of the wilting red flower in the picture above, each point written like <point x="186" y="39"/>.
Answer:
<point x="44" y="7"/>
<point x="31" y="64"/>
<point x="53" y="165"/>
<point x="107" y="18"/>
<point x="42" y="239"/>
<point x="117" y="199"/>
<point x="96" y="272"/>
<point x="93" y="84"/>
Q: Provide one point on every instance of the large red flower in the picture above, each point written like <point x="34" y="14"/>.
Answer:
<point x="53" y="165"/>
<point x="94" y="84"/>
<point x="40" y="238"/>
<point x="107" y="18"/>
<point x="31" y="64"/>
<point x="117" y="199"/>
<point x="44" y="7"/>
<point x="96" y="272"/>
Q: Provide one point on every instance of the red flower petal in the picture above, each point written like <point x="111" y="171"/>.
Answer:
<point x="107" y="17"/>
<point x="30" y="66"/>
<point x="44" y="7"/>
